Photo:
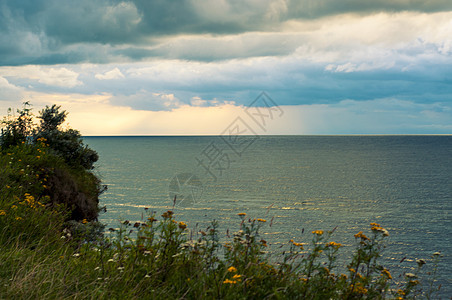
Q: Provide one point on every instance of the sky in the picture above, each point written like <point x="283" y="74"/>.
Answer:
<point x="194" y="67"/>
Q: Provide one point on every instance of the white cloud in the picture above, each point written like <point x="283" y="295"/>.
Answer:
<point x="113" y="74"/>
<point x="8" y="91"/>
<point x="52" y="76"/>
<point x="61" y="77"/>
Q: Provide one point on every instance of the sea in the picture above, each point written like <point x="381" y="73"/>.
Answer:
<point x="297" y="183"/>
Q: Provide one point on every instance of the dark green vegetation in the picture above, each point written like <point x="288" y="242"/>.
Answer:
<point x="51" y="246"/>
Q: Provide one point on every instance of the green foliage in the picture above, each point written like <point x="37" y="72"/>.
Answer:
<point x="66" y="143"/>
<point x="49" y="164"/>
<point x="18" y="129"/>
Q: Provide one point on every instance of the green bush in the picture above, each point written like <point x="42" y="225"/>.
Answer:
<point x="51" y="164"/>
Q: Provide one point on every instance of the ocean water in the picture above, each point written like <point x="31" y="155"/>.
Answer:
<point x="297" y="183"/>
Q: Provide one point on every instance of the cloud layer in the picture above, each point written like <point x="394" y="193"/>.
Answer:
<point x="55" y="31"/>
<point x="347" y="67"/>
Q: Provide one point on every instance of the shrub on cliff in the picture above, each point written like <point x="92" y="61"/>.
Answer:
<point x="48" y="163"/>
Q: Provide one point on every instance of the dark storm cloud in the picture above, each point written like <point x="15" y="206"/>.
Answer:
<point x="46" y="31"/>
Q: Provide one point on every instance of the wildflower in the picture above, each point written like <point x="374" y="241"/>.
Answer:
<point x="38" y="157"/>
<point x="241" y="214"/>
<point x="401" y="292"/>
<point x="318" y="232"/>
<point x="359" y="289"/>
<point x="182" y="225"/>
<point x="152" y="219"/>
<point x="237" y="277"/>
<point x="8" y="187"/>
<point x="374" y="224"/>
<point x="261" y="220"/>
<point x="147" y="276"/>
<point x="379" y="229"/>
<point x="232" y="269"/>
<point x="352" y="270"/>
<point x="84" y="221"/>
<point x="18" y="218"/>
<point x="298" y="245"/>
<point x="2" y="213"/>
<point x="167" y="214"/>
<point x="420" y="262"/>
<point x="334" y="245"/>
<point x="230" y="281"/>
<point x="14" y="207"/>
<point x="386" y="273"/>
<point x="361" y="235"/>
<point x="437" y="253"/>
<point x="76" y="254"/>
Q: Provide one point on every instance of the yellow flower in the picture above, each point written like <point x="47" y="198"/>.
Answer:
<point x="38" y="157"/>
<point x="359" y="289"/>
<point x="261" y="220"/>
<point x="237" y="277"/>
<point x="182" y="225"/>
<point x="230" y="281"/>
<point x="318" y="232"/>
<point x="232" y="269"/>
<point x="374" y="224"/>
<point x="84" y="221"/>
<point x="386" y="273"/>
<point x="2" y="213"/>
<point x="335" y="245"/>
<point x="14" y="207"/>
<point x="361" y="235"/>
<point x="241" y="214"/>
<point x="8" y="187"/>
<point x="18" y="218"/>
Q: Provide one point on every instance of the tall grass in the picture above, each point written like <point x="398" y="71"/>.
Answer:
<point x="160" y="257"/>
